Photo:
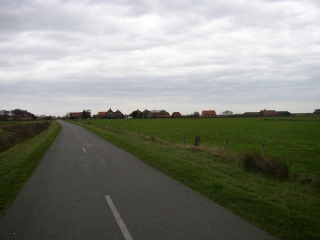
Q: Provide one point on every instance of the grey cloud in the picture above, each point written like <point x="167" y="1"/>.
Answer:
<point x="104" y="52"/>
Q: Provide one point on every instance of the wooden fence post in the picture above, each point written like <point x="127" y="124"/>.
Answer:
<point x="197" y="141"/>
<point x="225" y="145"/>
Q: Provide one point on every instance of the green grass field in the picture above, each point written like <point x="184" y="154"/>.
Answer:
<point x="292" y="139"/>
<point x="287" y="209"/>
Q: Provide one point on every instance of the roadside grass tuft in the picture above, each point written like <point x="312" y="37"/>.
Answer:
<point x="271" y="166"/>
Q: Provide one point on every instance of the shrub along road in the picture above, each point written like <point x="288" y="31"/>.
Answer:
<point x="86" y="188"/>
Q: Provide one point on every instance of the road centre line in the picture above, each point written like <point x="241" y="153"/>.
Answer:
<point x="122" y="225"/>
<point x="84" y="150"/>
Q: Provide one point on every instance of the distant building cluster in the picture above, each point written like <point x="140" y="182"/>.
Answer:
<point x="24" y="115"/>
<point x="110" y="114"/>
<point x="265" y="113"/>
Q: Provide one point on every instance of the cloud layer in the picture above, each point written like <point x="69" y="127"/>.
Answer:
<point x="62" y="56"/>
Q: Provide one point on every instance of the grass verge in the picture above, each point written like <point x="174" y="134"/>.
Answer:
<point x="285" y="209"/>
<point x="19" y="162"/>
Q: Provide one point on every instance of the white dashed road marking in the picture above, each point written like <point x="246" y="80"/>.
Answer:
<point x="118" y="218"/>
<point x="84" y="150"/>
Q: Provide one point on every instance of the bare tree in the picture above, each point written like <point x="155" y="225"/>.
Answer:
<point x="227" y="113"/>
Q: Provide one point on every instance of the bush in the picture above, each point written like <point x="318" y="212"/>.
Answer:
<point x="268" y="166"/>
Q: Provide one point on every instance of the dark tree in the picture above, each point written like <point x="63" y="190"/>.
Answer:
<point x="84" y="114"/>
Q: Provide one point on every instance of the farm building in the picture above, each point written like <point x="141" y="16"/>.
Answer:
<point x="110" y="114"/>
<point x="268" y="113"/>
<point x="101" y="114"/>
<point x="161" y="114"/>
<point x="80" y="115"/>
<point x="176" y="115"/>
<point x="208" y="113"/>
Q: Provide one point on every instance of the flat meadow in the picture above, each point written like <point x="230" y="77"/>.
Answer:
<point x="295" y="140"/>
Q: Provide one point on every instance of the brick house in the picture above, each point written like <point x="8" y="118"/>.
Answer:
<point x="176" y="115"/>
<point x="110" y="114"/>
<point x="161" y="114"/>
<point x="265" y="112"/>
<point x="208" y="113"/>
<point x="79" y="115"/>
<point x="118" y="114"/>
<point x="101" y="114"/>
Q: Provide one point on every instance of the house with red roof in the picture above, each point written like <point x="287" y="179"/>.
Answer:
<point x="208" y="113"/>
<point x="265" y="112"/>
<point x="176" y="115"/>
<point x="161" y="114"/>
<point x="101" y="114"/>
<point x="80" y="115"/>
<point x="110" y="114"/>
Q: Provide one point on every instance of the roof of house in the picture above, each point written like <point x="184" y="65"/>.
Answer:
<point x="268" y="112"/>
<point x="79" y="114"/>
<point x="176" y="114"/>
<point x="208" y="112"/>
<point x="101" y="114"/>
<point x="161" y="114"/>
<point x="76" y="114"/>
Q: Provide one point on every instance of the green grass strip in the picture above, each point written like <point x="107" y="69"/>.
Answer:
<point x="19" y="162"/>
<point x="285" y="209"/>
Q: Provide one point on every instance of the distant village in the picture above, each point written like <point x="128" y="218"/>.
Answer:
<point x="24" y="115"/>
<point x="110" y="114"/>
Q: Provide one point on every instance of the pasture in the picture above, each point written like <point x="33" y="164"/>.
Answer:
<point x="294" y="140"/>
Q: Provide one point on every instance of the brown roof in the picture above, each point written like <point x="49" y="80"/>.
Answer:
<point x="79" y="114"/>
<point x="176" y="114"/>
<point x="101" y="114"/>
<point x="268" y="112"/>
<point x="208" y="112"/>
<point x="76" y="114"/>
<point x="161" y="114"/>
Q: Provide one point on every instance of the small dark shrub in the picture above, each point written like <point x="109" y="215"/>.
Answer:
<point x="152" y="138"/>
<point x="268" y="166"/>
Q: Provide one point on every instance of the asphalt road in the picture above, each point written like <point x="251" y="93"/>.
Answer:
<point x="86" y="188"/>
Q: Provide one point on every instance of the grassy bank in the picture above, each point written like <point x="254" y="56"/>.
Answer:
<point x="18" y="163"/>
<point x="14" y="133"/>
<point x="286" y="209"/>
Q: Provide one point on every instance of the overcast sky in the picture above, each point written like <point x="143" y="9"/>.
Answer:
<point x="240" y="55"/>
